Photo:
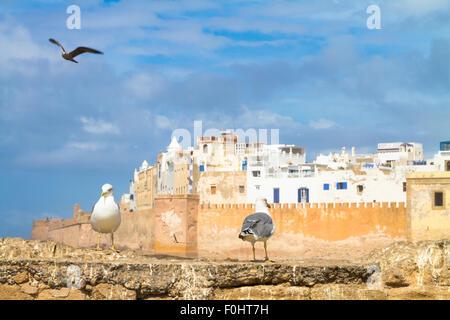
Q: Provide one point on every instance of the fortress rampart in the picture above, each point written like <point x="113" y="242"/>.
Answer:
<point x="179" y="225"/>
<point x="339" y="229"/>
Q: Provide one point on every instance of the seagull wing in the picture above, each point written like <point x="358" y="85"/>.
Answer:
<point x="258" y="224"/>
<point x="81" y="50"/>
<point x="57" y="43"/>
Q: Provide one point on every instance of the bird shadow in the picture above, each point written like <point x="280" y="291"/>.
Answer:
<point x="262" y="260"/>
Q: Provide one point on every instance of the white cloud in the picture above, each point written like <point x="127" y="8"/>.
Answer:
<point x="84" y="146"/>
<point x="251" y="23"/>
<point x="322" y="124"/>
<point x="162" y="122"/>
<point x="419" y="7"/>
<point x="17" y="46"/>
<point x="75" y="152"/>
<point x="144" y="85"/>
<point x="17" y="42"/>
<point x="98" y="126"/>
<point x="265" y="118"/>
<point x="191" y="34"/>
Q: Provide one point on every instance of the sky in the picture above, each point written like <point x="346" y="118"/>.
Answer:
<point x="312" y="69"/>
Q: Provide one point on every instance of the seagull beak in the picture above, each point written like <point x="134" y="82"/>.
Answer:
<point x="103" y="194"/>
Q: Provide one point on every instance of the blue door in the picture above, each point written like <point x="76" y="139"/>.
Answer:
<point x="303" y="195"/>
<point x="276" y="195"/>
<point x="244" y="165"/>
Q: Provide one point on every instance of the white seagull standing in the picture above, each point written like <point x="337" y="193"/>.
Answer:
<point x="258" y="226"/>
<point x="105" y="216"/>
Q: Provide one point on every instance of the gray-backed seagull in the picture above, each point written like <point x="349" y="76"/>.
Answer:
<point x="105" y="217"/>
<point x="258" y="226"/>
<point x="71" y="55"/>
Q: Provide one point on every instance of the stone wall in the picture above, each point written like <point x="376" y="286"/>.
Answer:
<point x="425" y="221"/>
<point x="180" y="226"/>
<point x="304" y="230"/>
<point x="230" y="187"/>
<point x="135" y="231"/>
<point x="45" y="270"/>
<point x="175" y="225"/>
<point x="146" y="188"/>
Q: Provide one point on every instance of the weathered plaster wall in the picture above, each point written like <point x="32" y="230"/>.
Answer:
<point x="175" y="224"/>
<point x="425" y="221"/>
<point x="146" y="188"/>
<point x="135" y="231"/>
<point x="180" y="226"/>
<point x="303" y="230"/>
<point x="181" y="176"/>
<point x="227" y="187"/>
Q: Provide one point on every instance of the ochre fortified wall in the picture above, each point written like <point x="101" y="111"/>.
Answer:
<point x="304" y="230"/>
<point x="135" y="231"/>
<point x="179" y="225"/>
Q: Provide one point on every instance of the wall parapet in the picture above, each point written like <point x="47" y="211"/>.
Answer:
<point x="180" y="225"/>
<point x="304" y="228"/>
<point x="69" y="223"/>
<point x="304" y="205"/>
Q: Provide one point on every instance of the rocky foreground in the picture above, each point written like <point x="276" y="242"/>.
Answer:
<point x="50" y="270"/>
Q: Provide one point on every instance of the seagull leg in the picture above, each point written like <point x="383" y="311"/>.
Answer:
<point x="112" y="242"/>
<point x="98" y="242"/>
<point x="265" y="249"/>
<point x="253" y="247"/>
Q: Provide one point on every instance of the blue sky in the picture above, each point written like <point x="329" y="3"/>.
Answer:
<point x="309" y="68"/>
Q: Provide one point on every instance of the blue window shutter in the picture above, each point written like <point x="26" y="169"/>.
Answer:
<point x="326" y="186"/>
<point x="344" y="185"/>
<point x="202" y="167"/>
<point x="337" y="186"/>
<point x="276" y="195"/>
<point x="306" y="193"/>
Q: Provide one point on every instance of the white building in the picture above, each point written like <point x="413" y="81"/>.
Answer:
<point x="399" y="152"/>
<point x="316" y="183"/>
<point x="170" y="164"/>
<point x="218" y="153"/>
<point x="343" y="160"/>
<point x="133" y="190"/>
<point x="280" y="172"/>
<point x="275" y="161"/>
<point x="340" y="177"/>
<point x="442" y="159"/>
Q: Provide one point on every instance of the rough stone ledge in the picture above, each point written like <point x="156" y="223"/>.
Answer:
<point x="49" y="270"/>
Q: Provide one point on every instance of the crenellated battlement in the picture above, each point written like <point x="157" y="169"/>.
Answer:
<point x="180" y="225"/>
<point x="288" y="206"/>
<point x="356" y="226"/>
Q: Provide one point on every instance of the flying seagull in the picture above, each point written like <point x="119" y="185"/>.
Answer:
<point x="105" y="217"/>
<point x="71" y="55"/>
<point x="258" y="226"/>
